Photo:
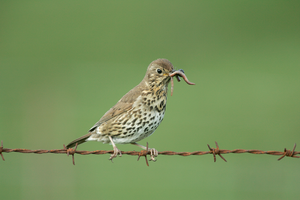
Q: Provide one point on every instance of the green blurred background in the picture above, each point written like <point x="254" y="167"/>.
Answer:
<point x="65" y="63"/>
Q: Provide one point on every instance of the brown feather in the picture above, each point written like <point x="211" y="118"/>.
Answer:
<point x="123" y="105"/>
<point x="80" y="140"/>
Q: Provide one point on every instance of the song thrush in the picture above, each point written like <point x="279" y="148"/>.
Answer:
<point x="138" y="113"/>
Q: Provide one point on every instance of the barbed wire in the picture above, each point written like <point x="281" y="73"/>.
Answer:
<point x="214" y="151"/>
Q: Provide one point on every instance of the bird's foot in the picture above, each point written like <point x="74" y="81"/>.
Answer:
<point x="153" y="153"/>
<point x="115" y="154"/>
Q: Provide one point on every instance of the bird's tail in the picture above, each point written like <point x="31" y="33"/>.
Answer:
<point x="80" y="140"/>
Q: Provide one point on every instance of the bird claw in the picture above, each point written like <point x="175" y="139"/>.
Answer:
<point x="115" y="154"/>
<point x="153" y="153"/>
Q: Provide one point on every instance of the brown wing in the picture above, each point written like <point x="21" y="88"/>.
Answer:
<point x="123" y="105"/>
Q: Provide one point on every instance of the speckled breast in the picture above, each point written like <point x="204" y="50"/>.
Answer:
<point x="142" y="120"/>
<point x="139" y="122"/>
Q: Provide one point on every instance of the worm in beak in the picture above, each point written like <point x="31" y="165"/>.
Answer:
<point x="178" y="73"/>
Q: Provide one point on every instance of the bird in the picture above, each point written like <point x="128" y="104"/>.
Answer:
<point x="138" y="113"/>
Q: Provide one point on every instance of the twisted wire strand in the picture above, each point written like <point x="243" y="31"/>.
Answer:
<point x="214" y="151"/>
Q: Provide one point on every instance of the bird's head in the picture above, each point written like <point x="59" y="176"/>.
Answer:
<point x="160" y="72"/>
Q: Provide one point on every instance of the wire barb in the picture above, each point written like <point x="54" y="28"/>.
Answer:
<point x="71" y="151"/>
<point x="216" y="152"/>
<point x="144" y="153"/>
<point x="1" y="148"/>
<point x="289" y="153"/>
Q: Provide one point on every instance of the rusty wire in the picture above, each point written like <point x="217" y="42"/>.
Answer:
<point x="214" y="151"/>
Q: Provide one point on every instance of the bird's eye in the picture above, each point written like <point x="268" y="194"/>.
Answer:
<point x="159" y="71"/>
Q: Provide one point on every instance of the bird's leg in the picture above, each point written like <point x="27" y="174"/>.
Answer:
<point x="153" y="152"/>
<point x="116" y="150"/>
